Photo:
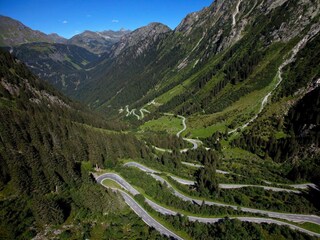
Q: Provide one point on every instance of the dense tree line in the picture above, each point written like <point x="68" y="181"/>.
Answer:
<point x="234" y="229"/>
<point x="161" y="193"/>
<point x="303" y="71"/>
<point x="44" y="148"/>
<point x="206" y="181"/>
<point x="255" y="197"/>
<point x="171" y="162"/>
<point x="302" y="127"/>
<point x="165" y="141"/>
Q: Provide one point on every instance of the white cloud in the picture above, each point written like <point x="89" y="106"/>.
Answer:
<point x="115" y="21"/>
<point x="64" y="21"/>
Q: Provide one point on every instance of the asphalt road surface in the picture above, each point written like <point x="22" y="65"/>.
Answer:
<point x="222" y="185"/>
<point x="287" y="216"/>
<point x="163" y="230"/>
<point x="150" y="221"/>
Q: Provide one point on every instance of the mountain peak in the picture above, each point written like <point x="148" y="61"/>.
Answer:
<point x="13" y="32"/>
<point x="97" y="42"/>
<point x="57" y="38"/>
<point x="141" y="37"/>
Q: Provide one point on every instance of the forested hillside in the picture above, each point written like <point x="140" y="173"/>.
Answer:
<point x="209" y="130"/>
<point x="63" y="66"/>
<point x="210" y="61"/>
<point x="48" y="145"/>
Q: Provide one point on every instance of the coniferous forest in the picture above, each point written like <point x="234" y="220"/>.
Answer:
<point x="208" y="130"/>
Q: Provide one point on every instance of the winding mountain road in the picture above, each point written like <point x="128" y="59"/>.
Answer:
<point x="313" y="31"/>
<point x="302" y="186"/>
<point x="150" y="221"/>
<point x="200" y="166"/>
<point x="163" y="230"/>
<point x="142" y="110"/>
<point x="192" y="164"/>
<point x="221" y="185"/>
<point x="184" y="125"/>
<point x="287" y="216"/>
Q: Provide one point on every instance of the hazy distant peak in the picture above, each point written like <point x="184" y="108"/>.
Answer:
<point x="99" y="41"/>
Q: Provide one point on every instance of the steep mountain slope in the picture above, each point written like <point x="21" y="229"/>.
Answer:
<point x="237" y="87"/>
<point x="124" y="65"/>
<point x="65" y="63"/>
<point x="48" y="145"/>
<point x="218" y="55"/>
<point x="97" y="42"/>
<point x="13" y="32"/>
<point x="236" y="66"/>
<point x="64" y="66"/>
<point x="208" y="68"/>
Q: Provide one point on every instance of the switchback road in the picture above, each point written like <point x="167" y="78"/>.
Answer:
<point x="163" y="230"/>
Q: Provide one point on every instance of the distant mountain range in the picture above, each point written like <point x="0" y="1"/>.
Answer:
<point x="222" y="46"/>
<point x="14" y="33"/>
<point x="69" y="64"/>
<point x="97" y="42"/>
<point x="63" y="62"/>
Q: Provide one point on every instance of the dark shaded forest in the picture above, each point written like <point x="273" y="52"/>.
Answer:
<point x="48" y="145"/>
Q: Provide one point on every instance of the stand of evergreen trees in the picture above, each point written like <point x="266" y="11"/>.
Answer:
<point x="47" y="149"/>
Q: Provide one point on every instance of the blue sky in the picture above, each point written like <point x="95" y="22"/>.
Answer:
<point x="69" y="17"/>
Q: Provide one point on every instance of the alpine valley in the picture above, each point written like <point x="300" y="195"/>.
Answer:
<point x="210" y="130"/>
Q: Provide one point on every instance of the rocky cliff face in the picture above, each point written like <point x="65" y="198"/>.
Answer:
<point x="124" y="64"/>
<point x="140" y="39"/>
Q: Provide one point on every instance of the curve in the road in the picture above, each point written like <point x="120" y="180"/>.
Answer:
<point x="200" y="166"/>
<point x="143" y="214"/>
<point x="184" y="125"/>
<point x="194" y="142"/>
<point x="221" y="185"/>
<point x="287" y="216"/>
<point x="301" y="186"/>
<point x="152" y="222"/>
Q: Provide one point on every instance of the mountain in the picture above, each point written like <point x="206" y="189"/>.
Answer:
<point x="63" y="63"/>
<point x="217" y="54"/>
<point x="233" y="66"/>
<point x="133" y="53"/>
<point x="224" y="108"/>
<point x="56" y="38"/>
<point x="97" y="42"/>
<point x="140" y="39"/>
<point x="64" y="66"/>
<point x="13" y="32"/>
<point x="46" y="141"/>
